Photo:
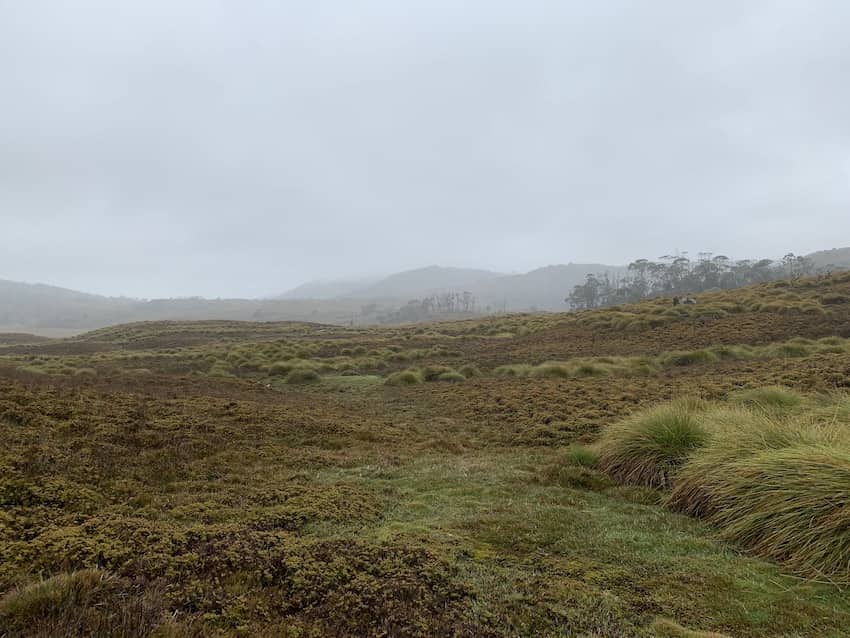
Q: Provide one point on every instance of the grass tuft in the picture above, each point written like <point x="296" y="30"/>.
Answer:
<point x="405" y="377"/>
<point x="690" y="358"/>
<point x="773" y="398"/>
<point x="648" y="448"/>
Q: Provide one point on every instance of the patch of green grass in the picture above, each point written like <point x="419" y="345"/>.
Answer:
<point x="582" y="456"/>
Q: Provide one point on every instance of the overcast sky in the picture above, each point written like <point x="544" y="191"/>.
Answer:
<point x="222" y="148"/>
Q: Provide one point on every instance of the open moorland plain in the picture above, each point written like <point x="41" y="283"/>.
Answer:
<point x="644" y="470"/>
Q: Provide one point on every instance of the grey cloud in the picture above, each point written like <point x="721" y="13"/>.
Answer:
<point x="222" y="148"/>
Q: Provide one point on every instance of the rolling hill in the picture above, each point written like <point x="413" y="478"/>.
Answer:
<point x="53" y="311"/>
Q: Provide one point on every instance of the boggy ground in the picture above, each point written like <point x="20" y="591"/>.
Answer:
<point x="173" y="479"/>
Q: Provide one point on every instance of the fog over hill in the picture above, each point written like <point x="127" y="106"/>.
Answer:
<point x="541" y="289"/>
<point x="838" y="258"/>
<point x="53" y="311"/>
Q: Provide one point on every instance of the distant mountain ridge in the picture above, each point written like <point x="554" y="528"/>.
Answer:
<point x="423" y="281"/>
<point x="44" y="309"/>
<point x="328" y="289"/>
<point x="541" y="289"/>
<point x="406" y="284"/>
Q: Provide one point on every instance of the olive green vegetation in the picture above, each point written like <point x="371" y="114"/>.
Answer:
<point x="771" y="471"/>
<point x="189" y="479"/>
<point x="648" y="448"/>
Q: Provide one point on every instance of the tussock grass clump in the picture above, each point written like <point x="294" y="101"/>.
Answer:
<point x="405" y="377"/>
<point x="790" y="350"/>
<point x="738" y="432"/>
<point x="50" y="597"/>
<point x="727" y="353"/>
<point x="302" y="376"/>
<point x="790" y="504"/>
<point x="648" y="448"/>
<point x="588" y="369"/>
<point x="470" y="371"/>
<point x="283" y="368"/>
<point x="513" y="371"/>
<point x="833" y="299"/>
<point x="689" y="358"/>
<point x="774" y="398"/>
<point x="452" y="376"/>
<point x="433" y="373"/>
<point x="552" y="370"/>
<point x="771" y="470"/>
<point x="83" y="603"/>
<point x="666" y="628"/>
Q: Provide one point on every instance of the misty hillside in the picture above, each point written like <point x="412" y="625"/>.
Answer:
<point x="838" y="258"/>
<point x="328" y="289"/>
<point x="42" y="306"/>
<point x="401" y="297"/>
<point x="540" y="289"/>
<point x="424" y="281"/>
<point x="55" y="311"/>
